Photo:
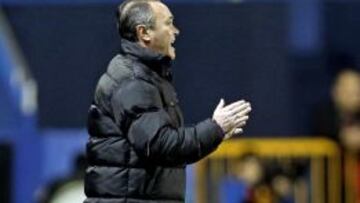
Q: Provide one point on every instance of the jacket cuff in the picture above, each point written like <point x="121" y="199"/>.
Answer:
<point x="210" y="136"/>
<point x="218" y="128"/>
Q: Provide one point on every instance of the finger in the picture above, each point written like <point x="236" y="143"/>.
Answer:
<point x="244" y="111"/>
<point x="227" y="136"/>
<point x="230" y="133"/>
<point x="242" y="124"/>
<point x="236" y="124"/>
<point x="237" y="105"/>
<point x="234" y="104"/>
<point x="220" y="105"/>
<point x="230" y="124"/>
<point x="238" y="131"/>
<point x="241" y="119"/>
<point x="237" y="118"/>
<point x="240" y="108"/>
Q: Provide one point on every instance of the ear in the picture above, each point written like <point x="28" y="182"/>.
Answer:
<point x="143" y="33"/>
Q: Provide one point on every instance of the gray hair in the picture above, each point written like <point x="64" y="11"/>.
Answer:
<point x="132" y="13"/>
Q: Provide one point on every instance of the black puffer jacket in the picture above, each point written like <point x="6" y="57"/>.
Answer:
<point x="138" y="147"/>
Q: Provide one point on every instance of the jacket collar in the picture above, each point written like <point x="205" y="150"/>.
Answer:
<point x="155" y="61"/>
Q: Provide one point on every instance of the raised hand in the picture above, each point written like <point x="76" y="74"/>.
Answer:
<point x="233" y="117"/>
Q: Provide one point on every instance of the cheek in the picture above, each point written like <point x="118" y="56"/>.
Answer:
<point x="163" y="40"/>
<point x="164" y="35"/>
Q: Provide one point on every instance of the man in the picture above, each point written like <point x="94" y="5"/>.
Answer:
<point x="138" y="146"/>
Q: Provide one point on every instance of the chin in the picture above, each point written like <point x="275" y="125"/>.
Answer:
<point x="172" y="55"/>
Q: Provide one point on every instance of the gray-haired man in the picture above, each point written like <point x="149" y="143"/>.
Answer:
<point x="138" y="146"/>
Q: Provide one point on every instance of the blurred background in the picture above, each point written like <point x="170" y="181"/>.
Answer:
<point x="296" y="61"/>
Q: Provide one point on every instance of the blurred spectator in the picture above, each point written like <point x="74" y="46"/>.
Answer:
<point x="253" y="180"/>
<point x="67" y="189"/>
<point x="244" y="183"/>
<point x="283" y="175"/>
<point x="339" y="119"/>
<point x="282" y="187"/>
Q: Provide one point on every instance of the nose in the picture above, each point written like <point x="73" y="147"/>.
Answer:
<point x="176" y="30"/>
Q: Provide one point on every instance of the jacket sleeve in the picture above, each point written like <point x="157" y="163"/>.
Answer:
<point x="151" y="133"/>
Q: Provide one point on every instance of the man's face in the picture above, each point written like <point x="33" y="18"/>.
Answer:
<point x="164" y="32"/>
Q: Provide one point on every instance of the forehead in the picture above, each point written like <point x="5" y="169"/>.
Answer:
<point x="349" y="76"/>
<point x="161" y="10"/>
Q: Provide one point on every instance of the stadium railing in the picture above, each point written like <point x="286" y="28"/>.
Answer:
<point x="323" y="155"/>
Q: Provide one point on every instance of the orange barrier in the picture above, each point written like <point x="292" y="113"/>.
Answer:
<point x="324" y="155"/>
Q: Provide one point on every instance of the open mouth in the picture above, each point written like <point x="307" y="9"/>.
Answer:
<point x="172" y="43"/>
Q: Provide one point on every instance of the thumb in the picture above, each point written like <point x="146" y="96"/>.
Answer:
<point x="220" y="105"/>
